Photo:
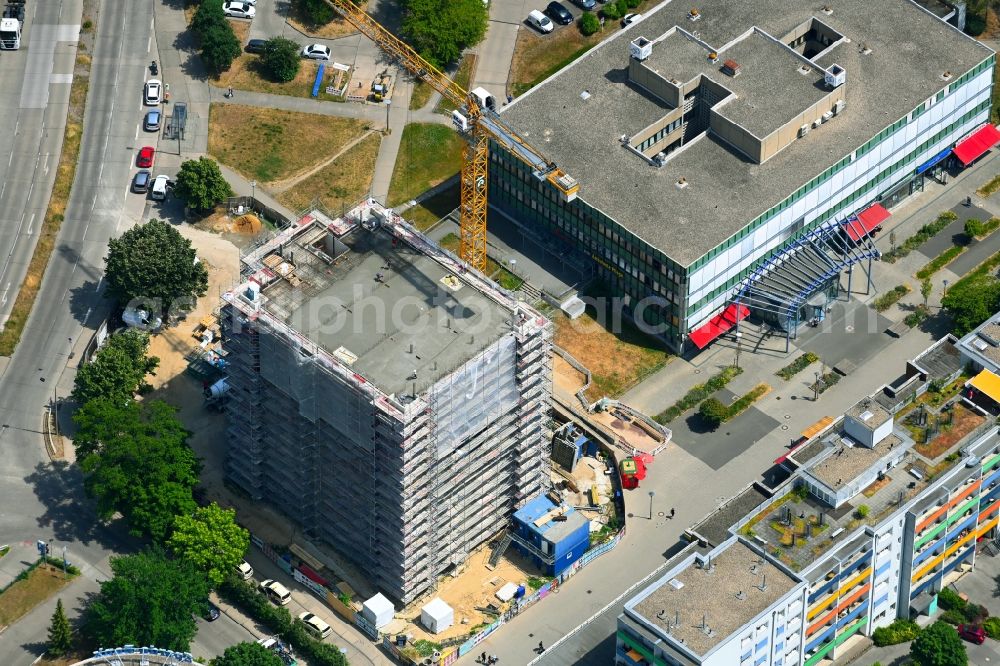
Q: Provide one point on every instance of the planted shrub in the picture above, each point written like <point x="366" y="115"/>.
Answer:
<point x="899" y="631"/>
<point x="589" y="23"/>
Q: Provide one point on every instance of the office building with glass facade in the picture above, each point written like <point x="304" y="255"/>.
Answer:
<point x="708" y="142"/>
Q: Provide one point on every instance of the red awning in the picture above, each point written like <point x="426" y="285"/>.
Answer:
<point x="864" y="222"/>
<point x="977" y="143"/>
<point x="718" y="325"/>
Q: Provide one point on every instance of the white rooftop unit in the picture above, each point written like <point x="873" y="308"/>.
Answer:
<point x="378" y="610"/>
<point x="836" y="76"/>
<point x="640" y="48"/>
<point x="437" y="616"/>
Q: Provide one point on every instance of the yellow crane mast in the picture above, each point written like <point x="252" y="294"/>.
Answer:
<point x="477" y="118"/>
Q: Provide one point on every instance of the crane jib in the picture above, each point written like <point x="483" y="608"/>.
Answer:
<point x="510" y="142"/>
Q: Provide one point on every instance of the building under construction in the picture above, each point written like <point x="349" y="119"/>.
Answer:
<point x="390" y="401"/>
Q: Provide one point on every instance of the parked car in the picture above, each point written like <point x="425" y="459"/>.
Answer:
<point x="256" y="46"/>
<point x="211" y="613"/>
<point x="972" y="633"/>
<point x="315" y="626"/>
<point x="152" y="92"/>
<point x="276" y="592"/>
<point x="140" y="182"/>
<point x="559" y="13"/>
<point x="159" y="190"/>
<point x="629" y="19"/>
<point x="585" y="4"/>
<point x="145" y="158"/>
<point x="539" y="21"/>
<point x="316" y="52"/>
<point x="244" y="570"/>
<point x="151" y="123"/>
<point x="239" y="10"/>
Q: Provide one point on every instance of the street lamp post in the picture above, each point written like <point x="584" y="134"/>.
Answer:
<point x="739" y="339"/>
<point x="816" y="388"/>
<point x="652" y="494"/>
<point x="253" y="192"/>
<point x="388" y="103"/>
<point x="945" y="288"/>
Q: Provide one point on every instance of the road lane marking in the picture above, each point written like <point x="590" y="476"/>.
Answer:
<point x="5" y="290"/>
<point x="31" y="224"/>
<point x="149" y="44"/>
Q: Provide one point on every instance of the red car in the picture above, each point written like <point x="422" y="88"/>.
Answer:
<point x="145" y="159"/>
<point x="972" y="633"/>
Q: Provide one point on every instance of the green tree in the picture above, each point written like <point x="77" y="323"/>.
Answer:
<point x="939" y="645"/>
<point x="439" y="30"/>
<point x="155" y="264"/>
<point x="314" y="13"/>
<point x="200" y="184"/>
<point x="208" y="16"/>
<point x="925" y="290"/>
<point x="118" y="371"/>
<point x="589" y="23"/>
<point x="971" y="302"/>
<point x="136" y="460"/>
<point x="862" y="511"/>
<point x="60" y="633"/>
<point x="211" y="540"/>
<point x="247" y="654"/>
<point x="611" y="12"/>
<point x="219" y="47"/>
<point x="150" y="600"/>
<point x="281" y="60"/>
<point x="713" y="412"/>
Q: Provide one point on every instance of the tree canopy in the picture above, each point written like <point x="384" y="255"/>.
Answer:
<point x="211" y="540"/>
<point x="971" y="302"/>
<point x="280" y="59"/>
<point x="150" y="600"/>
<point x="439" y="30"/>
<point x="247" y="654"/>
<point x="136" y="460"/>
<point x="713" y="412"/>
<point x="200" y="184"/>
<point x="60" y="632"/>
<point x="118" y="371"/>
<point x="219" y="45"/>
<point x="154" y="265"/>
<point x="314" y="13"/>
<point x="939" y="645"/>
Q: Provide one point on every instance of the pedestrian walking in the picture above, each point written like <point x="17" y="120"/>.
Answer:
<point x="672" y="512"/>
<point x="541" y="647"/>
<point x="482" y="657"/>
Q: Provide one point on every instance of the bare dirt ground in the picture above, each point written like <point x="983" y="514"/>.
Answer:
<point x="630" y="433"/>
<point x="474" y="586"/>
<point x="566" y="379"/>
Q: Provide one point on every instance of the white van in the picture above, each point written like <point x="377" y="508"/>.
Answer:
<point x="315" y="625"/>
<point x="276" y="592"/>
<point x="159" y="190"/>
<point x="540" y="21"/>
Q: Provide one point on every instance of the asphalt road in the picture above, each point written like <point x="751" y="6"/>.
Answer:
<point x="41" y="499"/>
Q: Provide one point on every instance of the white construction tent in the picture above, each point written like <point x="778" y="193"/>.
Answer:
<point x="437" y="616"/>
<point x="378" y="610"/>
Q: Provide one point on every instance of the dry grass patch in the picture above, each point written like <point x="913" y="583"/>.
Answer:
<point x="428" y="155"/>
<point x="336" y="28"/>
<point x="342" y="183"/>
<point x="616" y="361"/>
<point x="963" y="421"/>
<point x="271" y="144"/>
<point x="538" y="56"/>
<point x="241" y="28"/>
<point x="23" y="595"/>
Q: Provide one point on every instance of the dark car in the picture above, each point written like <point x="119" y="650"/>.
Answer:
<point x="256" y="45"/>
<point x="585" y="4"/>
<point x="140" y="182"/>
<point x="211" y="613"/>
<point x="559" y="13"/>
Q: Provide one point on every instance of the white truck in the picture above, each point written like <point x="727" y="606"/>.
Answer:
<point x="11" y="24"/>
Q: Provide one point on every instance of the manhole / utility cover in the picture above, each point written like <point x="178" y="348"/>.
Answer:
<point x="727" y="434"/>
<point x="660" y="513"/>
<point x="849" y="328"/>
<point x="784" y="427"/>
<point x="788" y="416"/>
<point x="631" y="515"/>
<point x="697" y="372"/>
<point x="777" y="397"/>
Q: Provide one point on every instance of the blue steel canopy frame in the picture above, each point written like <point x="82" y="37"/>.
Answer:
<point x="789" y="277"/>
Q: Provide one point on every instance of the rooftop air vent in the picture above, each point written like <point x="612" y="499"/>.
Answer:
<point x="681" y="183"/>
<point x="826" y="9"/>
<point x="694" y="14"/>
<point x="836" y="76"/>
<point x="946" y="76"/>
<point x="731" y="67"/>
<point x="864" y="49"/>
<point x="640" y="48"/>
<point x="713" y="56"/>
<point x="805" y="69"/>
<point x="676" y="584"/>
<point x="585" y="95"/>
<point x="804" y="130"/>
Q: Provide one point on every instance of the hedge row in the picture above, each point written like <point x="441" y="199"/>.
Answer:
<point x="940" y="261"/>
<point x="697" y="394"/>
<point x="989" y="187"/>
<point x="924" y="234"/>
<point x="889" y="298"/>
<point x="798" y="365"/>
<point x="899" y="631"/>
<point x="277" y="619"/>
<point x="741" y="405"/>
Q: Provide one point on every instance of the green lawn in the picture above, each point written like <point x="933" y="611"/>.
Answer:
<point x="428" y="155"/>
<point x="426" y="213"/>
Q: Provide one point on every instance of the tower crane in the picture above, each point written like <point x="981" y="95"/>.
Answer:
<point x="477" y="119"/>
